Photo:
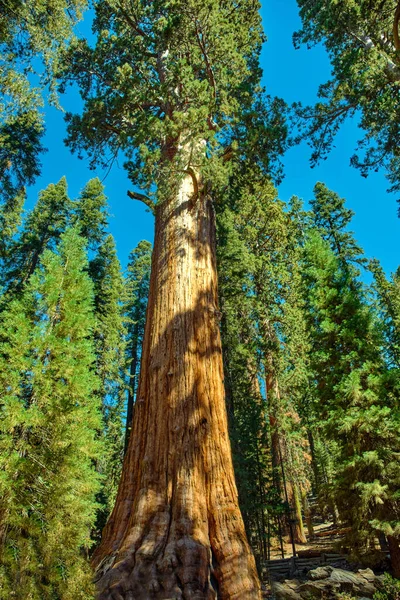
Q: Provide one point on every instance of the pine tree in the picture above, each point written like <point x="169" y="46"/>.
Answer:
<point x="354" y="396"/>
<point x="42" y="229"/>
<point x="109" y="338"/>
<point x="264" y="335"/>
<point x="331" y="218"/>
<point x="246" y="407"/>
<point x="136" y="294"/>
<point x="90" y="213"/>
<point x="48" y="430"/>
<point x="388" y="296"/>
<point x="10" y="220"/>
<point x="44" y="224"/>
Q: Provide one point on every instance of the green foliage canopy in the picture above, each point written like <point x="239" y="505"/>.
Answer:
<point x="31" y="37"/>
<point x="360" y="37"/>
<point x="163" y="79"/>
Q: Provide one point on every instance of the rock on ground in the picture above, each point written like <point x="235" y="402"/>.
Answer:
<point x="326" y="582"/>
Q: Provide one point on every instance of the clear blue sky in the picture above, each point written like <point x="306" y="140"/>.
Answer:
<point x="291" y="74"/>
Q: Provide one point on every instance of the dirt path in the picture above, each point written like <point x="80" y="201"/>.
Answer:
<point x="327" y="538"/>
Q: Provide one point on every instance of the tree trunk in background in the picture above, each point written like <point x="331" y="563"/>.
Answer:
<point x="176" y="530"/>
<point x="131" y="390"/>
<point x="274" y="432"/>
<point x="295" y="505"/>
<point x="394" y="550"/>
<point x="314" y="462"/>
<point x="308" y="516"/>
<point x="286" y="488"/>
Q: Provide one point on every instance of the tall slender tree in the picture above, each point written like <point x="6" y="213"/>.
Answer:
<point x="246" y="407"/>
<point x="110" y="347"/>
<point x="388" y="296"/>
<point x="354" y="395"/>
<point x="10" y="220"/>
<point x="41" y="230"/>
<point x="49" y="419"/>
<point x="137" y="293"/>
<point x="90" y="213"/>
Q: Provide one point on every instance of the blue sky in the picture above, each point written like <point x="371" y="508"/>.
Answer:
<point x="291" y="74"/>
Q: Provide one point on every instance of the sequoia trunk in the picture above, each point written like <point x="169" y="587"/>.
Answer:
<point x="176" y="530"/>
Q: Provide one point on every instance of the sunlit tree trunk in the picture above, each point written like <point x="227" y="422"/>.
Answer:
<point x="308" y="515"/>
<point x="298" y="526"/>
<point x="176" y="530"/>
<point x="280" y="462"/>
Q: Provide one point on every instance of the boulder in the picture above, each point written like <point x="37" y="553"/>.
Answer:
<point x="319" y="573"/>
<point x="342" y="576"/>
<point x="318" y="589"/>
<point x="292" y="583"/>
<point x="367" y="574"/>
<point x="284" y="592"/>
<point x="353" y="583"/>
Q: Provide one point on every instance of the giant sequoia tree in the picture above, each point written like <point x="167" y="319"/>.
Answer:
<point x="168" y="83"/>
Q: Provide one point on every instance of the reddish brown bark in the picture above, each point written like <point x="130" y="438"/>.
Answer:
<point x="285" y="486"/>
<point x="176" y="530"/>
<point x="298" y="526"/>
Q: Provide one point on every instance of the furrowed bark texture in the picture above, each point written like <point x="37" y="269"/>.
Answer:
<point x="176" y="531"/>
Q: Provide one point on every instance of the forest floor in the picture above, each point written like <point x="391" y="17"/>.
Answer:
<point x="322" y="569"/>
<point x="327" y="538"/>
<point x="327" y="553"/>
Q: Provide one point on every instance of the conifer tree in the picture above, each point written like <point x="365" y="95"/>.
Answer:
<point x="49" y="419"/>
<point x="263" y="335"/>
<point x="246" y="408"/>
<point x="170" y="85"/>
<point x="42" y="229"/>
<point x="353" y="395"/>
<point x="10" y="220"/>
<point x="331" y="217"/>
<point x="136" y="295"/>
<point x="90" y="212"/>
<point x="388" y="296"/>
<point x="44" y="224"/>
<point x="109" y="340"/>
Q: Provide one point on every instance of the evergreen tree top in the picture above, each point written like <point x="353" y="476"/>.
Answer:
<point x="91" y="212"/>
<point x="332" y="218"/>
